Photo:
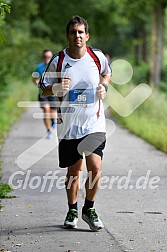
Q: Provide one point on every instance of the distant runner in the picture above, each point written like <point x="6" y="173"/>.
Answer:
<point x="46" y="103"/>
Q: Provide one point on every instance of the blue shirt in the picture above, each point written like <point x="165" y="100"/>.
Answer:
<point x="41" y="68"/>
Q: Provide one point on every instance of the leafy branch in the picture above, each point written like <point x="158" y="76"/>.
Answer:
<point x="4" y="8"/>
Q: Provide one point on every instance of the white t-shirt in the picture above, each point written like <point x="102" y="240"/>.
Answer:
<point x="80" y="105"/>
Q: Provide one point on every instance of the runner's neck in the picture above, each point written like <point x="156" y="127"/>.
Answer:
<point x="76" y="54"/>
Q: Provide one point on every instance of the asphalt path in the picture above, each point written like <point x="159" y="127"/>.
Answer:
<point x="131" y="199"/>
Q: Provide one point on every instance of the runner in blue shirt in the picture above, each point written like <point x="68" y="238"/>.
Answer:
<point x="46" y="103"/>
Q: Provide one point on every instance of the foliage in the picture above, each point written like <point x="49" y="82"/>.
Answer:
<point x="4" y="9"/>
<point x="34" y="25"/>
<point x="141" y="73"/>
<point x="120" y="28"/>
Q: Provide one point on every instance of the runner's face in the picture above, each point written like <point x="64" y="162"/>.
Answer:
<point x="77" y="36"/>
<point x="47" y="57"/>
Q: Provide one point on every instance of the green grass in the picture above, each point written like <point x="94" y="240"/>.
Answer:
<point x="10" y="95"/>
<point x="5" y="189"/>
<point x="149" y="120"/>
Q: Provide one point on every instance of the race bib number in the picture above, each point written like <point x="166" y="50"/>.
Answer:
<point x="83" y="97"/>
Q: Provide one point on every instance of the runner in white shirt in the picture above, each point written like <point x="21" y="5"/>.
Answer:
<point x="84" y="80"/>
<point x="80" y="87"/>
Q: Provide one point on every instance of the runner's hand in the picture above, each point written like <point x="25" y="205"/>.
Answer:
<point x="62" y="87"/>
<point x="101" y="92"/>
<point x="65" y="84"/>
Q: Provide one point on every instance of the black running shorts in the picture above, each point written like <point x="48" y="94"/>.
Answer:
<point x="47" y="100"/>
<point x="70" y="151"/>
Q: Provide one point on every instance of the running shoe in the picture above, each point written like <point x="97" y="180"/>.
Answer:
<point x="71" y="219"/>
<point x="92" y="219"/>
<point x="54" y="126"/>
<point x="49" y="135"/>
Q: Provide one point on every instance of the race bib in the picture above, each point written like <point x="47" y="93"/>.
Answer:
<point x="84" y="97"/>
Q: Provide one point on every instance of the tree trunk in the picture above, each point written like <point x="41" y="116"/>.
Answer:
<point x="157" y="44"/>
<point x="140" y="47"/>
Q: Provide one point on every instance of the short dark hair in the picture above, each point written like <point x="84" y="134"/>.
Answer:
<point x="76" y="20"/>
<point x="46" y="50"/>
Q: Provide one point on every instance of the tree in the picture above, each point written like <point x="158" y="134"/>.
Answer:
<point x="157" y="41"/>
<point x="148" y="40"/>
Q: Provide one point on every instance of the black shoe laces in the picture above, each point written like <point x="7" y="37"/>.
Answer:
<point x="92" y="214"/>
<point x="72" y="214"/>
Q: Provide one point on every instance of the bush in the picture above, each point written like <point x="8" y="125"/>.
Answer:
<point x="163" y="86"/>
<point x="141" y="73"/>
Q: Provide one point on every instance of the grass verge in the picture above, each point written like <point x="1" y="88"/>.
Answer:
<point x="149" y="120"/>
<point x="10" y="112"/>
<point x="5" y="189"/>
<point x="10" y="96"/>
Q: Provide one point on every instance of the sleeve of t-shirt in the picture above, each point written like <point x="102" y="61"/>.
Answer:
<point x="105" y="68"/>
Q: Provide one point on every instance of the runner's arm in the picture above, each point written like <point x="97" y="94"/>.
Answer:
<point x="58" y="89"/>
<point x="103" y="86"/>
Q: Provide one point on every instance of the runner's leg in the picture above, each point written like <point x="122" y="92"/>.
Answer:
<point x="93" y="163"/>
<point x="72" y="181"/>
<point x="46" y="111"/>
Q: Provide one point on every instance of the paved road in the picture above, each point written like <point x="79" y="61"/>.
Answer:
<point x="131" y="200"/>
